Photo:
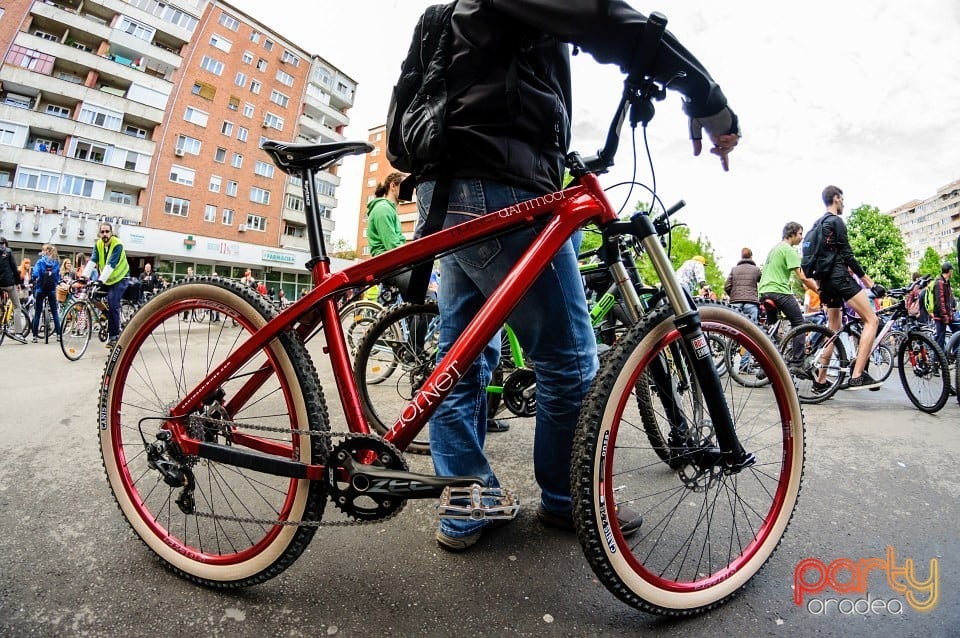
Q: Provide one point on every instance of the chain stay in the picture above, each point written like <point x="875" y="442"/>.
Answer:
<point x="197" y="420"/>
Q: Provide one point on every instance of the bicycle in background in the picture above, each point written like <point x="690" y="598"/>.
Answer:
<point x="826" y="364"/>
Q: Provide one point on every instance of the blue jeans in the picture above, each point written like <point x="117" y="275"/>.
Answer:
<point x="553" y="327"/>
<point x="114" y="295"/>
<point x="51" y="299"/>
<point x="752" y="310"/>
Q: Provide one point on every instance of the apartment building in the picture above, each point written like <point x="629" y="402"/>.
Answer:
<point x="376" y="169"/>
<point x="150" y="114"/>
<point x="933" y="222"/>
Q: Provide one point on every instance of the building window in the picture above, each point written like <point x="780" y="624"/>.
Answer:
<point x="227" y="219"/>
<point x="247" y="57"/>
<point x="261" y="65"/>
<point x="255" y="87"/>
<point x="221" y="43"/>
<point x="293" y="202"/>
<point x="260" y="195"/>
<point x="279" y="98"/>
<point x="229" y="22"/>
<point x="59" y="111"/>
<point x="284" y="78"/>
<point x="273" y="121"/>
<point x="268" y="45"/>
<point x="248" y="110"/>
<point x="176" y="206"/>
<point x="196" y="116"/>
<point x="264" y="169"/>
<point x="134" y="131"/>
<point x="226" y="128"/>
<point x="237" y="160"/>
<point x="220" y="156"/>
<point x="242" y="133"/>
<point x="136" y="29"/>
<point x="209" y="213"/>
<point x="204" y="90"/>
<point x="255" y="36"/>
<point x="118" y="197"/>
<point x="130" y="163"/>
<point x="215" y="183"/>
<point x="188" y="144"/>
<point x="374" y="166"/>
<point x="289" y="58"/>
<point x="241" y="80"/>
<point x="234" y="103"/>
<point x="211" y="64"/>
<point x="182" y="175"/>
<point x="35" y="180"/>
<point x="99" y="116"/>
<point x="90" y="152"/>
<point x="232" y="188"/>
<point x="256" y="222"/>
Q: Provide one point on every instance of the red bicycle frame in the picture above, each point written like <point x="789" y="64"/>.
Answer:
<point x="562" y="212"/>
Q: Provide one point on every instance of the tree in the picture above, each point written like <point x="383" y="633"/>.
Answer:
<point x="878" y="246"/>
<point x="930" y="263"/>
<point x="342" y="249"/>
<point x="682" y="248"/>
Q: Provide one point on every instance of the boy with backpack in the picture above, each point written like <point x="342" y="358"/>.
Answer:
<point x="46" y="275"/>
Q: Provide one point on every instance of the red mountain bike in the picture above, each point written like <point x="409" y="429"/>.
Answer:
<point x="218" y="448"/>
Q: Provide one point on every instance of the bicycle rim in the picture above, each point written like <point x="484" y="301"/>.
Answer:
<point x="704" y="533"/>
<point x="157" y="361"/>
<point x="395" y="357"/>
<point x="816" y="359"/>
<point x="76" y="329"/>
<point x="924" y="372"/>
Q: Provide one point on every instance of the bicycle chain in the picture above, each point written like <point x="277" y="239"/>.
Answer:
<point x="200" y="420"/>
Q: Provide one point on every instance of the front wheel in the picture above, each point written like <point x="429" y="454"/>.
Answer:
<point x="219" y="524"/>
<point x="704" y="531"/>
<point x="822" y="364"/>
<point x="924" y="372"/>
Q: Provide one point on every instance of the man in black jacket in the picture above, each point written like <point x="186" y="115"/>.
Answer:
<point x="943" y="304"/>
<point x="508" y="131"/>
<point x="9" y="279"/>
<point x="839" y="286"/>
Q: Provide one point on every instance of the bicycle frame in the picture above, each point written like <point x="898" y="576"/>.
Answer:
<point x="562" y="213"/>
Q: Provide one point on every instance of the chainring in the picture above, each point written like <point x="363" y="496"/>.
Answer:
<point x="368" y="450"/>
<point x="519" y="392"/>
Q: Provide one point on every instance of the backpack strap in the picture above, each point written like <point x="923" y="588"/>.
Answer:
<point x="416" y="290"/>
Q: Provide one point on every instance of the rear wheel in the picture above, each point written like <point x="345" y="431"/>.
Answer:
<point x="127" y="310"/>
<point x="924" y="372"/>
<point x="76" y="330"/>
<point x="705" y="531"/>
<point x="229" y="530"/>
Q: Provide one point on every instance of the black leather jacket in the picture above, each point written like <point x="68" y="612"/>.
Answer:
<point x="512" y="121"/>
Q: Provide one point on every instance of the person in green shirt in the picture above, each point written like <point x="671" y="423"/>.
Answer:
<point x="782" y="262"/>
<point x="383" y="223"/>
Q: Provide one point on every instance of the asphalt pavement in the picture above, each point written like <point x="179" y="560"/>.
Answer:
<point x="879" y="474"/>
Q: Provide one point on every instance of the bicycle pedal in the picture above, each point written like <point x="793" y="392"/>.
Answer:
<point x="472" y="503"/>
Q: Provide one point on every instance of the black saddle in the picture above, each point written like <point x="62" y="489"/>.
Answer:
<point x="295" y="158"/>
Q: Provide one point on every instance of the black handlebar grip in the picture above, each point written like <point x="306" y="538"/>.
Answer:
<point x="642" y="60"/>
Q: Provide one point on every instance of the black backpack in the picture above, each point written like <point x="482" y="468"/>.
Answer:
<point x="48" y="281"/>
<point x="416" y="137"/>
<point x="817" y="261"/>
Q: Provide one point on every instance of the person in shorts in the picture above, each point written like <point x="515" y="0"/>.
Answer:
<point x="840" y="286"/>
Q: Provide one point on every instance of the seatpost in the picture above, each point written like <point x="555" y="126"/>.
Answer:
<point x="318" y="248"/>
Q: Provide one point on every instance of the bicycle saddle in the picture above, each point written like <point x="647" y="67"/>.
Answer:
<point x="293" y="158"/>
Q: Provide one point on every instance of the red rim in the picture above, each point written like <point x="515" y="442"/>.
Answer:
<point x="776" y="507"/>
<point x="119" y="377"/>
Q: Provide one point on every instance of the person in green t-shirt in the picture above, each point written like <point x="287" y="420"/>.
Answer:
<point x="782" y="262"/>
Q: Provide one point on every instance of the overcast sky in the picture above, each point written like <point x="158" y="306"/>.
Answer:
<point x="861" y="94"/>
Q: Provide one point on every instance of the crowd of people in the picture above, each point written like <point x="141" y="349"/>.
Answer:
<point x="49" y="281"/>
